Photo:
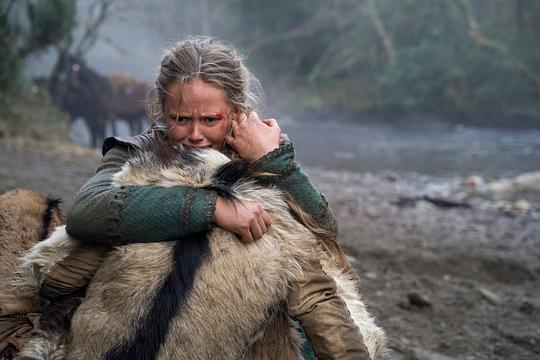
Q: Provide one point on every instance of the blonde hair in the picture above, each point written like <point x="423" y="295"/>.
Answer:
<point x="211" y="60"/>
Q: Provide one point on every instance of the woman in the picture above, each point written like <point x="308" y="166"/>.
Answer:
<point x="202" y="98"/>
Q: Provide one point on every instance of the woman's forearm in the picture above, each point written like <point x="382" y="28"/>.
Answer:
<point x="288" y="176"/>
<point x="104" y="214"/>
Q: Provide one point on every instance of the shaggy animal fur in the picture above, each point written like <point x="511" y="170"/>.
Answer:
<point x="208" y="293"/>
<point x="26" y="218"/>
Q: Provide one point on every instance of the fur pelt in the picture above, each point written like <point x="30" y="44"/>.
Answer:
<point x="208" y="293"/>
<point x="26" y="218"/>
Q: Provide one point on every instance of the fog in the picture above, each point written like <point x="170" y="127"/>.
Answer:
<point x="130" y="42"/>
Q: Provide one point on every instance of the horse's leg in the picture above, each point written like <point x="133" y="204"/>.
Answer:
<point x="97" y="131"/>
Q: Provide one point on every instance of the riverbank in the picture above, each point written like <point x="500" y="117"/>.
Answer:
<point x="445" y="282"/>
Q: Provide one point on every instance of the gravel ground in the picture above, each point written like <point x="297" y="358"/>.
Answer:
<point x="445" y="283"/>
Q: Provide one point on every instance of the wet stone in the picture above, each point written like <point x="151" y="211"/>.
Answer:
<point x="490" y="296"/>
<point x="418" y="300"/>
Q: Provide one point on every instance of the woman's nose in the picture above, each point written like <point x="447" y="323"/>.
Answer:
<point x="195" y="135"/>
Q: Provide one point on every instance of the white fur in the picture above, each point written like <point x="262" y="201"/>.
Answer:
<point x="374" y="336"/>
<point x="39" y="260"/>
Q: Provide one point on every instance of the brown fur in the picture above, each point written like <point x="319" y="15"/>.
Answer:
<point x="26" y="217"/>
<point x="21" y="226"/>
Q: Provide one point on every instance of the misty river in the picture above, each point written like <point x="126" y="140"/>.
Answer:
<point x="434" y="148"/>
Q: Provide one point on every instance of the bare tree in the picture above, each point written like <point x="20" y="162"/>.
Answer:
<point x="496" y="47"/>
<point x="324" y="16"/>
<point x="378" y="25"/>
<point x="98" y="12"/>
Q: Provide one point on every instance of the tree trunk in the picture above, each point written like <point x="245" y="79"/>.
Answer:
<point x="378" y="24"/>
<point x="496" y="47"/>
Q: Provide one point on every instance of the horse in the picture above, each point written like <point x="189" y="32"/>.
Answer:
<point x="98" y="99"/>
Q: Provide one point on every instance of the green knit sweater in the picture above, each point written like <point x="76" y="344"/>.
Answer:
<point x="104" y="214"/>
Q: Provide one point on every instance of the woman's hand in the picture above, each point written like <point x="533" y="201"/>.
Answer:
<point x="247" y="219"/>
<point x="252" y="138"/>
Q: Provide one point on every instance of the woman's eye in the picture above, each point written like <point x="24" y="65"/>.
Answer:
<point x="180" y="119"/>
<point x="210" y="120"/>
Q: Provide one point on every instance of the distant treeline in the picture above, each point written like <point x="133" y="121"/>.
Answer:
<point x="453" y="59"/>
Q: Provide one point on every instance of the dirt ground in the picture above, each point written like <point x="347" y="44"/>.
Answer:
<point x="445" y="283"/>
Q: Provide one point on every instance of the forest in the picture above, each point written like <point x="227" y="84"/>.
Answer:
<point x="452" y="59"/>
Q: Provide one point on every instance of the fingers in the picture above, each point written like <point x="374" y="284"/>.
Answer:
<point x="241" y="118"/>
<point x="244" y="120"/>
<point x="246" y="237"/>
<point x="258" y="225"/>
<point x="255" y="229"/>
<point x="271" y="122"/>
<point x="262" y="224"/>
<point x="237" y="126"/>
<point x="248" y="219"/>
<point x="235" y="122"/>
<point x="253" y="116"/>
<point x="266" y="218"/>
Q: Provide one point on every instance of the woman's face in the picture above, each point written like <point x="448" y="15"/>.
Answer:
<point x="197" y="114"/>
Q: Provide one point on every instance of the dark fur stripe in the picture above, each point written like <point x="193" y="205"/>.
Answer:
<point x="189" y="253"/>
<point x="52" y="204"/>
<point x="228" y="175"/>
<point x="232" y="172"/>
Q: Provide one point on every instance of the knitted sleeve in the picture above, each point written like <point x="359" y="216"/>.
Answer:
<point x="104" y="214"/>
<point x="289" y="177"/>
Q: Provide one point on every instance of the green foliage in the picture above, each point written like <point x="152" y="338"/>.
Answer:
<point x="279" y="35"/>
<point x="331" y="54"/>
<point x="9" y="62"/>
<point x="410" y="56"/>
<point x="51" y="22"/>
<point x="26" y="28"/>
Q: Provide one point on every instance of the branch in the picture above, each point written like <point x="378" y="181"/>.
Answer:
<point x="90" y="33"/>
<point x="107" y="40"/>
<point x="305" y="29"/>
<point x="8" y="8"/>
<point x="378" y="24"/>
<point x="336" y="57"/>
<point x="476" y="35"/>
